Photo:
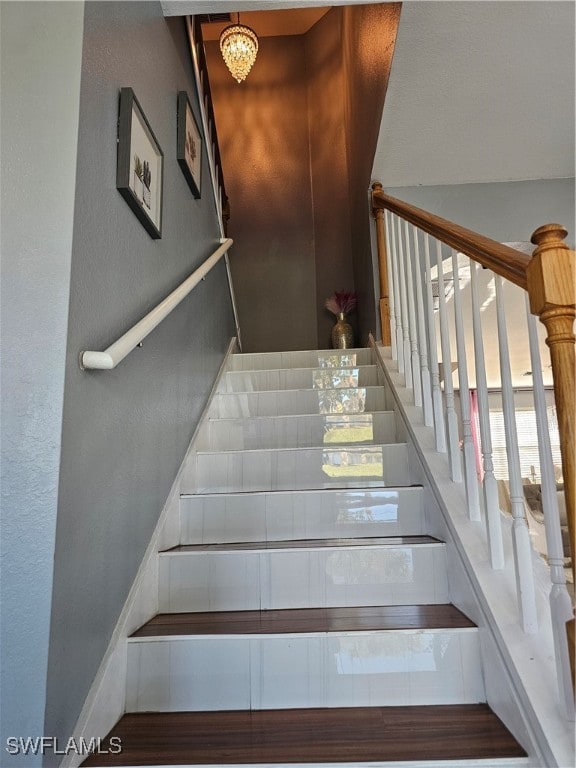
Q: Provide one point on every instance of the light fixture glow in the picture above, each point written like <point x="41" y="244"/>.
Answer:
<point x="239" y="46"/>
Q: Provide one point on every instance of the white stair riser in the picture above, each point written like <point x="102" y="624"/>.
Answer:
<point x="296" y="402"/>
<point x="302" y="578"/>
<point x="223" y="518"/>
<point x="297" y="671"/>
<point x="299" y="378"/>
<point x="334" y="358"/>
<point x="297" y="431"/>
<point x="307" y="468"/>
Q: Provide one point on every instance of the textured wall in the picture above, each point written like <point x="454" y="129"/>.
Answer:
<point x="263" y="135"/>
<point x="329" y="165"/>
<point x="125" y="432"/>
<point x="40" y="89"/>
<point x="505" y="211"/>
<point x="369" y="39"/>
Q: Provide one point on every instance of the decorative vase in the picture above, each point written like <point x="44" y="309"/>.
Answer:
<point x="342" y="333"/>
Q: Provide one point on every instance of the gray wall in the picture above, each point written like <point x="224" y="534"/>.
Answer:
<point x="505" y="211"/>
<point x="41" y="53"/>
<point x="125" y="432"/>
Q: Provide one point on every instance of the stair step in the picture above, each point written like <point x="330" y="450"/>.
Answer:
<point x="352" y="619"/>
<point x="315" y="574"/>
<point x="288" y="402"/>
<point x="303" y="431"/>
<point x="316" y="358"/>
<point x="258" y="546"/>
<point x="281" y="515"/>
<point x="276" y="469"/>
<point x="340" y="657"/>
<point x="299" y="378"/>
<point x="390" y="737"/>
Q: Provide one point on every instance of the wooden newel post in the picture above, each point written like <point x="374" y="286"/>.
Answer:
<point x="378" y="213"/>
<point x="551" y="279"/>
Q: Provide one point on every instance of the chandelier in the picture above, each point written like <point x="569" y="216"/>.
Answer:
<point x="239" y="46"/>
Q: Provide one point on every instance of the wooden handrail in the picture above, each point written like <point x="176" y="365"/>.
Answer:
<point x="501" y="259"/>
<point x="378" y="214"/>
<point x="549" y="277"/>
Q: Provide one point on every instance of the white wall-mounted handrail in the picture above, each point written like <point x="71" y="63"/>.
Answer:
<point x="209" y="134"/>
<point x="115" y="353"/>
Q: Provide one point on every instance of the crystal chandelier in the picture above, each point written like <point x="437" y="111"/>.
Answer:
<point x="239" y="46"/>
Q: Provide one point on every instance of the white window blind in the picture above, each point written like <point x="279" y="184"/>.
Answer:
<point x="527" y="443"/>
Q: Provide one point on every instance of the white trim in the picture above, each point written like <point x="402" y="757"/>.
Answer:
<point x="117" y="351"/>
<point x="105" y="703"/>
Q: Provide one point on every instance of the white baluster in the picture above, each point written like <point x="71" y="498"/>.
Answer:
<point x="520" y="535"/>
<point x="560" y="603"/>
<point x="437" y="405"/>
<point x="391" y="287"/>
<point x="397" y="294"/>
<point x="470" y="477"/>
<point x="404" y="301"/>
<point x="414" y="353"/>
<point x="420" y="311"/>
<point x="489" y="486"/>
<point x="451" y="420"/>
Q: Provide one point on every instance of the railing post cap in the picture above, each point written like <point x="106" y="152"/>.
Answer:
<point x="376" y="185"/>
<point x="551" y="272"/>
<point x="549" y="235"/>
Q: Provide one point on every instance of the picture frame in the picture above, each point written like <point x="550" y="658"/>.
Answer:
<point x="140" y="164"/>
<point x="189" y="145"/>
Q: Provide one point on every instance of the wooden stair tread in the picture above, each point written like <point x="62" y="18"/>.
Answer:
<point x="390" y="541"/>
<point x="354" y="735"/>
<point x="300" y="620"/>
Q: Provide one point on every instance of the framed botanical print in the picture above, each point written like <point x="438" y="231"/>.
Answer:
<point x="189" y="149"/>
<point x="140" y="165"/>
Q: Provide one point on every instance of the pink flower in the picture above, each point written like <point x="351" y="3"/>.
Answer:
<point x="341" y="301"/>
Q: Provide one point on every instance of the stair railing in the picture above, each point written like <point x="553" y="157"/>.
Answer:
<point x="417" y="251"/>
<point x="109" y="358"/>
<point x="208" y="118"/>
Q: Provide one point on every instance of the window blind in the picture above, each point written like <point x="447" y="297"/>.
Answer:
<point x="527" y="443"/>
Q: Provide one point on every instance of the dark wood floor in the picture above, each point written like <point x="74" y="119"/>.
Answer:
<point x="389" y="617"/>
<point x="390" y="541"/>
<point x="449" y="732"/>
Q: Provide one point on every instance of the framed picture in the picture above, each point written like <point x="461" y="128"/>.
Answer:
<point x="140" y="167"/>
<point x="189" y="151"/>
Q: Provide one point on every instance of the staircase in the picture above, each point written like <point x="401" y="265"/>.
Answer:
<point x="305" y="617"/>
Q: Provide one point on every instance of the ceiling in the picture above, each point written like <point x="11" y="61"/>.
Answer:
<point x="294" y="21"/>
<point x="479" y="92"/>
